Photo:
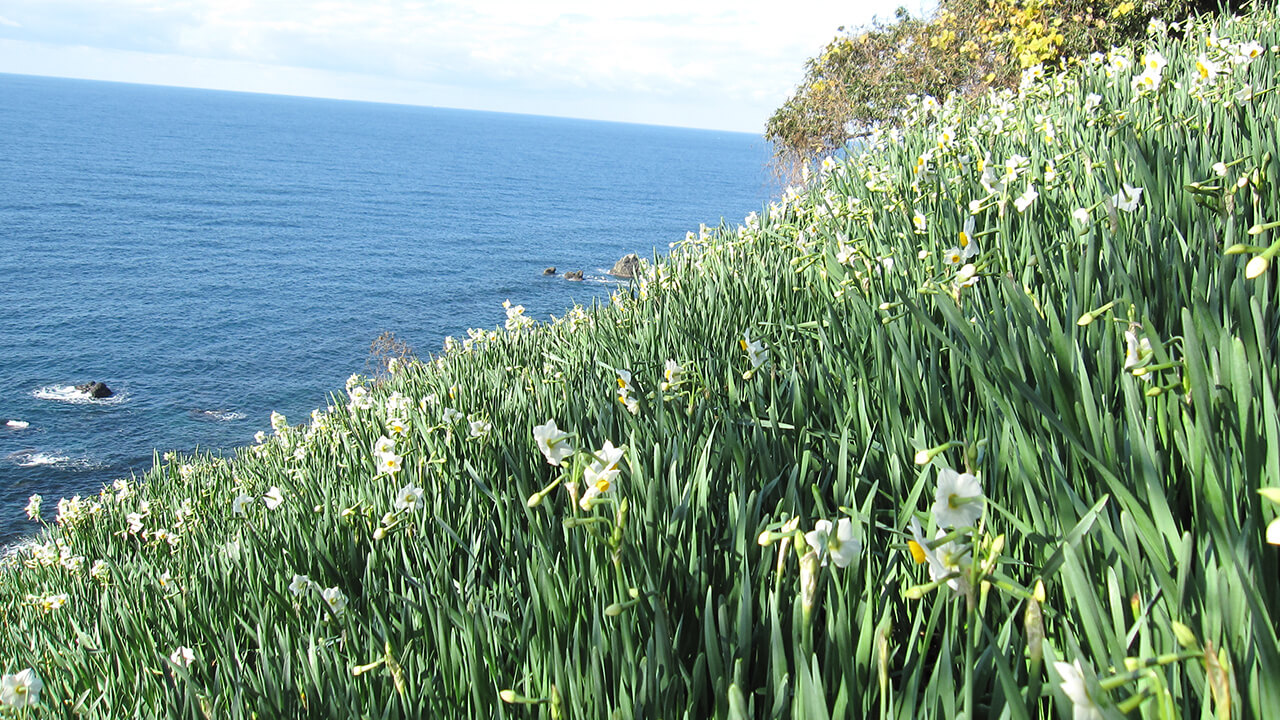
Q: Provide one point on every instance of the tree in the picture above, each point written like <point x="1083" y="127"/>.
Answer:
<point x="863" y="76"/>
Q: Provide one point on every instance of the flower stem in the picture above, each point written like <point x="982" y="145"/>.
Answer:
<point x="971" y="644"/>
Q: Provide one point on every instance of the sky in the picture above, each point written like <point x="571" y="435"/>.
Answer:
<point x="717" y="64"/>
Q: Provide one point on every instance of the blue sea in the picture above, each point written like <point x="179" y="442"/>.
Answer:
<point x="215" y="256"/>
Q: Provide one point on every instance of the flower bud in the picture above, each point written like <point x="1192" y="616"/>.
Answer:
<point x="809" y="566"/>
<point x="1186" y="638"/>
<point x="1033" y="621"/>
<point x="1257" y="266"/>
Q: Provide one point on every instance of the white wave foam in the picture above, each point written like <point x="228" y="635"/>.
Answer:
<point x="69" y="394"/>
<point x="34" y="458"/>
<point x="18" y="424"/>
<point x="221" y="415"/>
<point x="37" y="458"/>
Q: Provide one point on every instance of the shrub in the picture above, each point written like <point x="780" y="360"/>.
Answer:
<point x="863" y="77"/>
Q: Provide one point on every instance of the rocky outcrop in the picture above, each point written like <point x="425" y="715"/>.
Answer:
<point x="549" y="271"/>
<point x="573" y="275"/>
<point x="626" y="267"/>
<point x="95" y="390"/>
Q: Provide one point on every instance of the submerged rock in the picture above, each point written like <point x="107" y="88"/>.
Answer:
<point x="95" y="390"/>
<point x="626" y="267"/>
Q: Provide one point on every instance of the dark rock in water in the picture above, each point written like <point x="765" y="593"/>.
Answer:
<point x="573" y="275"/>
<point x="95" y="390"/>
<point x="549" y="271"/>
<point x="626" y="267"/>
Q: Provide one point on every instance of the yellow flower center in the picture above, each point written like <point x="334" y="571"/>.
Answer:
<point x="917" y="552"/>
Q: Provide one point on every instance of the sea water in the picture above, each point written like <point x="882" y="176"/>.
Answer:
<point x="215" y="256"/>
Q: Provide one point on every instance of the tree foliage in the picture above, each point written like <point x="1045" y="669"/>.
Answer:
<point x="862" y="77"/>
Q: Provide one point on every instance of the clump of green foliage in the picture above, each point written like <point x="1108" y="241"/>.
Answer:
<point x="860" y="79"/>
<point x="982" y="421"/>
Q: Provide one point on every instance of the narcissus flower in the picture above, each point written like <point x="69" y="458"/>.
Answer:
<point x="1207" y="69"/>
<point x="397" y="404"/>
<point x="1024" y="201"/>
<point x="273" y="498"/>
<point x="959" y="501"/>
<point x="946" y="560"/>
<point x="182" y="656"/>
<point x="553" y="442"/>
<point x="1136" y="351"/>
<point x="384" y="446"/>
<point x="598" y="477"/>
<point x="920" y="222"/>
<point x="21" y="690"/>
<point x="1083" y="706"/>
<point x="33" y="506"/>
<point x="390" y="464"/>
<point x="360" y="398"/>
<point x="1128" y="199"/>
<point x="1154" y="61"/>
<point x="408" y="497"/>
<point x="755" y="351"/>
<point x="397" y="426"/>
<point x="624" y="381"/>
<point x="967" y="276"/>
<point x="238" y="505"/>
<point x="846" y="254"/>
<point x="54" y="601"/>
<point x="1147" y="82"/>
<point x="1247" y="52"/>
<point x="672" y="374"/>
<point x="834" y="542"/>
<point x="516" y="319"/>
<point x="300" y="584"/>
<point x="968" y="245"/>
<point x="335" y="600"/>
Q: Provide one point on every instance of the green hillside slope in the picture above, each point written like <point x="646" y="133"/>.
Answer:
<point x="974" y="423"/>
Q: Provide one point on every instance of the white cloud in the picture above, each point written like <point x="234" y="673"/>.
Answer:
<point x="724" y="52"/>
